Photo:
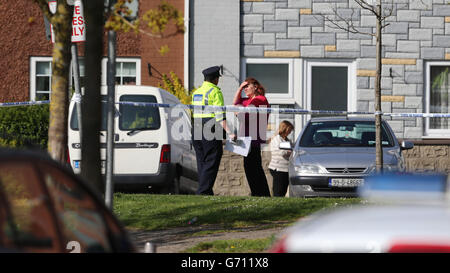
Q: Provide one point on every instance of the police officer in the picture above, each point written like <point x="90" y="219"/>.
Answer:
<point x="208" y="130"/>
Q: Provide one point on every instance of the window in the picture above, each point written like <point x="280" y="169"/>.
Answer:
<point x="29" y="223"/>
<point x="330" y="86"/>
<point x="136" y="117"/>
<point x="437" y="98"/>
<point x="103" y="126"/>
<point x="81" y="219"/>
<point x="128" y="71"/>
<point x="343" y="134"/>
<point x="274" y="74"/>
<point x="40" y="78"/>
<point x="125" y="73"/>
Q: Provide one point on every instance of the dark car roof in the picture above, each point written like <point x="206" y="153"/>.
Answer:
<point x="342" y="118"/>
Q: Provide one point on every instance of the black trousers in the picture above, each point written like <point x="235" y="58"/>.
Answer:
<point x="280" y="182"/>
<point x="255" y="173"/>
<point x="208" y="154"/>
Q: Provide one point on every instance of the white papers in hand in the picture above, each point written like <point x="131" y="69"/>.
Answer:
<point x="241" y="146"/>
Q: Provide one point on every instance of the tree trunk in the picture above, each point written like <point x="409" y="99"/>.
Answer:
<point x="91" y="105"/>
<point x="378" y="143"/>
<point x="57" y="132"/>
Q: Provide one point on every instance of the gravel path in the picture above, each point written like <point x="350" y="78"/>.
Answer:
<point x="178" y="239"/>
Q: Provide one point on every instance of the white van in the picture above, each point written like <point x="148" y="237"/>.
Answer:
<point x="153" y="145"/>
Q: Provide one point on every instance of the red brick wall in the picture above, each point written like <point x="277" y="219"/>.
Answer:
<point x="22" y="35"/>
<point x="172" y="61"/>
<point x="19" y="41"/>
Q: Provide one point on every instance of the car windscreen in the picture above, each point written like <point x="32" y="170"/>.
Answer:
<point x="343" y="133"/>
<point x="139" y="117"/>
<point x="74" y="117"/>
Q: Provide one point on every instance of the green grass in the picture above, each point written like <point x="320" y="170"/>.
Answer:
<point x="153" y="212"/>
<point x="233" y="246"/>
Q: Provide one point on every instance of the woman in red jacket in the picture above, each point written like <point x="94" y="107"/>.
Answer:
<point x="255" y="126"/>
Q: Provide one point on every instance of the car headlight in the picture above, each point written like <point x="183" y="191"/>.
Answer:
<point x="386" y="168"/>
<point x="308" y="169"/>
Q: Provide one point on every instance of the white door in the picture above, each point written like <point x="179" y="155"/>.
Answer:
<point x="139" y="135"/>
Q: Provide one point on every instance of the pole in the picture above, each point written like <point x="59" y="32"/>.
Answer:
<point x="111" y="78"/>
<point x="378" y="143"/>
<point x="76" y="80"/>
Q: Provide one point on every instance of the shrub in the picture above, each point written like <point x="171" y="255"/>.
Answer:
<point x="24" y="126"/>
<point x="174" y="86"/>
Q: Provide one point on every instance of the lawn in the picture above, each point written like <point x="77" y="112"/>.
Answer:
<point x="154" y="212"/>
<point x="233" y="246"/>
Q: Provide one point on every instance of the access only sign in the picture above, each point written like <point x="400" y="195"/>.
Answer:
<point x="78" y="25"/>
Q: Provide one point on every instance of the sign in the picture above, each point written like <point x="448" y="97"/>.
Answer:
<point x="78" y="25"/>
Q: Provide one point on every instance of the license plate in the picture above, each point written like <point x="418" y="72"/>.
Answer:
<point x="346" y="182"/>
<point x="77" y="164"/>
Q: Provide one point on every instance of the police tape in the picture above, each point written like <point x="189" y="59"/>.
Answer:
<point x="24" y="103"/>
<point x="276" y="110"/>
<point x="241" y="109"/>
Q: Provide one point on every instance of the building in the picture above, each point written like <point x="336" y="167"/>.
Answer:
<point x="27" y="53"/>
<point x="291" y="47"/>
<point x="304" y="62"/>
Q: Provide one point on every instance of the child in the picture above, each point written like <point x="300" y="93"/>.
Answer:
<point x="279" y="162"/>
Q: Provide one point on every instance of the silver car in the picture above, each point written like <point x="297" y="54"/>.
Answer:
<point x="333" y="155"/>
<point x="400" y="213"/>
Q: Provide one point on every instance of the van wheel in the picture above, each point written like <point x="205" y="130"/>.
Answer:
<point x="173" y="188"/>
<point x="176" y="185"/>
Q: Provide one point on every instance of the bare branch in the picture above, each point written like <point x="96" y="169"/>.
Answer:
<point x="136" y="28"/>
<point x="363" y="4"/>
<point x="348" y="24"/>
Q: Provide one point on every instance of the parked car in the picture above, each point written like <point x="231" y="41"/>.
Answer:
<point x="152" y="146"/>
<point x="413" y="216"/>
<point x="333" y="155"/>
<point x="45" y="207"/>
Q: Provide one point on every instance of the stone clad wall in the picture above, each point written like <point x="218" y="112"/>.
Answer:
<point x="428" y="158"/>
<point x="418" y="32"/>
<point x="231" y="179"/>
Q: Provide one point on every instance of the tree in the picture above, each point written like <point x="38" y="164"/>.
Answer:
<point x="91" y="105"/>
<point x="381" y="14"/>
<point x="62" y="26"/>
<point x="155" y="21"/>
<point x="91" y="102"/>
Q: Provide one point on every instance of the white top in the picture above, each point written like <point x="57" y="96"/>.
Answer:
<point x="280" y="158"/>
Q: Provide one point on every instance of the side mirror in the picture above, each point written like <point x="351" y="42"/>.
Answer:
<point x="285" y="146"/>
<point x="406" y="145"/>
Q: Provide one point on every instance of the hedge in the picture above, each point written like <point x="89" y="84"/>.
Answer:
<point x="24" y="126"/>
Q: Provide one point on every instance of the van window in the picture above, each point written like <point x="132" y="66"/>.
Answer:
<point x="139" y="117"/>
<point x="74" y="117"/>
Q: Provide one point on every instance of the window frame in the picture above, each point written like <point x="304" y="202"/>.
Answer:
<point x="33" y="70"/>
<point x="351" y="80"/>
<point x="35" y="59"/>
<point x="122" y="60"/>
<point x="432" y="133"/>
<point x="284" y="98"/>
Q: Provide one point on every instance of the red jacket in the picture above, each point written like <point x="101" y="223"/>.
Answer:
<point x="254" y="124"/>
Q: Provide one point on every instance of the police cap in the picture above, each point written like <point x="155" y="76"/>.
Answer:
<point x="213" y="71"/>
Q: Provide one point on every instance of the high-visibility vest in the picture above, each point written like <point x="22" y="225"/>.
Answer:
<point x="208" y="94"/>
